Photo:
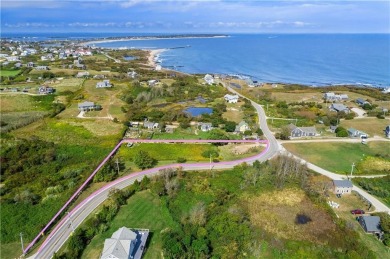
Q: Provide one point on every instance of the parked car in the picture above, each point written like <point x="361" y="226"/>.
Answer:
<point x="357" y="211"/>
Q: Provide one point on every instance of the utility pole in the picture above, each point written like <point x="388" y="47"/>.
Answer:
<point x="70" y="220"/>
<point x="21" y="240"/>
<point x="353" y="165"/>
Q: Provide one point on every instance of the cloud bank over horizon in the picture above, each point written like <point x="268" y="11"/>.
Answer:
<point x="212" y="16"/>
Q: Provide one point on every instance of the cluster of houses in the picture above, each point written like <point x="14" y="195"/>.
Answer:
<point x="18" y="50"/>
<point x="125" y="243"/>
<point x="370" y="224"/>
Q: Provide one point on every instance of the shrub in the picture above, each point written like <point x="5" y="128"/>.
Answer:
<point x="181" y="160"/>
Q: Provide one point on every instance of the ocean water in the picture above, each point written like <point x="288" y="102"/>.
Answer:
<point x="311" y="59"/>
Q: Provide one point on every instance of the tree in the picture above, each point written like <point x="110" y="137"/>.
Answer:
<point x="217" y="135"/>
<point x="341" y="132"/>
<point x="143" y="160"/>
<point x="230" y="126"/>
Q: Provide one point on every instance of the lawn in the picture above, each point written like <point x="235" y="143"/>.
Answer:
<point x="372" y="126"/>
<point x="9" y="72"/>
<point x="337" y="157"/>
<point x="143" y="210"/>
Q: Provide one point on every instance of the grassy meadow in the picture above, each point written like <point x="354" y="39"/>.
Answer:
<point x="338" y="157"/>
<point x="9" y="72"/>
<point x="372" y="126"/>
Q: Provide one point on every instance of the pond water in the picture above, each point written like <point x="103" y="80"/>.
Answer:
<point x="301" y="219"/>
<point x="128" y="58"/>
<point x="196" y="111"/>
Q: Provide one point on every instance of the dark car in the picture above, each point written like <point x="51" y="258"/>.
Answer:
<point x="357" y="211"/>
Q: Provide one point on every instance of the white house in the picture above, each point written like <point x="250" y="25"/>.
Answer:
<point x="242" y="127"/>
<point x="209" y="79"/>
<point x="82" y="74"/>
<point x="231" y="98"/>
<point x="103" y="84"/>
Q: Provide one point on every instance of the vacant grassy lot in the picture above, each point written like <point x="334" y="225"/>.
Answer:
<point x="234" y="112"/>
<point x="15" y="120"/>
<point x="337" y="157"/>
<point x="74" y="132"/>
<point x="21" y="102"/>
<point x="276" y="213"/>
<point x="9" y="72"/>
<point x="169" y="152"/>
<point x="68" y="84"/>
<point x="143" y="210"/>
<point x="372" y="126"/>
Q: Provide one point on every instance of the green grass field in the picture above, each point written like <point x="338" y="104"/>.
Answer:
<point x="168" y="152"/>
<point x="143" y="210"/>
<point x="337" y="157"/>
<point x="9" y="72"/>
<point x="19" y="102"/>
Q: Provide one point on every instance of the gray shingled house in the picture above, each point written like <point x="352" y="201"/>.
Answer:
<point x="342" y="186"/>
<point x="370" y="224"/>
<point x="298" y="132"/>
<point x="125" y="244"/>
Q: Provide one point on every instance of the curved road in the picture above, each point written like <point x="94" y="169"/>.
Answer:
<point x="74" y="218"/>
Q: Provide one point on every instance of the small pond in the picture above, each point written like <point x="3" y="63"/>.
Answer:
<point x="196" y="111"/>
<point x="128" y="58"/>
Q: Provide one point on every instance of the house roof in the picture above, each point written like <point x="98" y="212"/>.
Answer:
<point x="339" y="106"/>
<point x="372" y="223"/>
<point x="360" y="100"/>
<point x="118" y="246"/>
<point x="242" y="123"/>
<point x="86" y="104"/>
<point x="342" y="183"/>
<point x="309" y="129"/>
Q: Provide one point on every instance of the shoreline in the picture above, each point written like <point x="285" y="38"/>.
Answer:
<point x="152" y="55"/>
<point x="87" y="43"/>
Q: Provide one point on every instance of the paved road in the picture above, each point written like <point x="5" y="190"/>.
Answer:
<point x="63" y="230"/>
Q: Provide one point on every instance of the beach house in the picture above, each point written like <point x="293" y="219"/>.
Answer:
<point x="342" y="187"/>
<point x="209" y="79"/>
<point x="231" y="98"/>
<point x="298" y="132"/>
<point x="338" y="107"/>
<point x="242" y="127"/>
<point x="103" y="84"/>
<point x="125" y="244"/>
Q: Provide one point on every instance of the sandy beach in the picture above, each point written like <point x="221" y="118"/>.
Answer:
<point x="152" y="56"/>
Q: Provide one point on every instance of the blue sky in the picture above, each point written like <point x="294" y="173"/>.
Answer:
<point x="216" y="16"/>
